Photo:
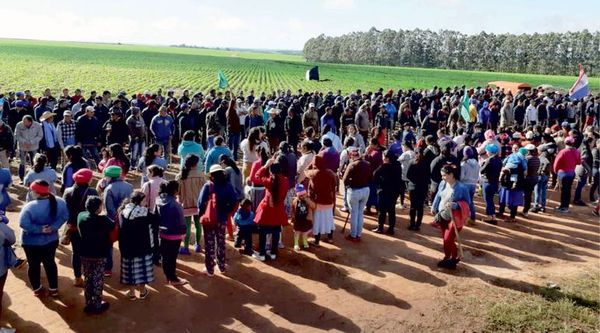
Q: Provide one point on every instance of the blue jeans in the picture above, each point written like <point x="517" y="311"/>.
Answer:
<point x="233" y="141"/>
<point x="472" y="188"/>
<point x="357" y="200"/>
<point x="581" y="181"/>
<point x="541" y="192"/>
<point x="489" y="191"/>
<point x="91" y="151"/>
<point x="166" y="148"/>
<point x="136" y="147"/>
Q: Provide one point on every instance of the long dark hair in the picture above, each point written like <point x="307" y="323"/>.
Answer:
<point x="75" y="156"/>
<point x="116" y="151"/>
<point x="228" y="161"/>
<point x="39" y="162"/>
<point x="149" y="154"/>
<point x="253" y="136"/>
<point x="51" y="197"/>
<point x="275" y="170"/>
<point x="169" y="188"/>
<point x="264" y="155"/>
<point x="191" y="162"/>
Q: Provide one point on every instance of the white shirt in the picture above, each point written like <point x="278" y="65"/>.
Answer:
<point x="337" y="143"/>
<point x="242" y="112"/>
<point x="531" y="113"/>
<point x="249" y="156"/>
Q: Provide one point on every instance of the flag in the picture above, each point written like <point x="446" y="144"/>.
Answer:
<point x="464" y="108"/>
<point x="222" y="80"/>
<point x="580" y="89"/>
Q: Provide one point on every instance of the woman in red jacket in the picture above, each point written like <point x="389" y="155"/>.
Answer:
<point x="564" y="166"/>
<point x="270" y="214"/>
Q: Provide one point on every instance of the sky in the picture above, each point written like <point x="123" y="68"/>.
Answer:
<point x="283" y="25"/>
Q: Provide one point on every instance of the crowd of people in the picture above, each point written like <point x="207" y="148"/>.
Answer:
<point x="256" y="164"/>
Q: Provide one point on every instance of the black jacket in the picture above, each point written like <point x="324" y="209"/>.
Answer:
<point x="490" y="170"/>
<point x="135" y="231"/>
<point x="419" y="176"/>
<point x="388" y="179"/>
<point x="6" y="138"/>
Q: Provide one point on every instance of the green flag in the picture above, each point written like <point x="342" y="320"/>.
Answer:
<point x="222" y="80"/>
<point x="464" y="108"/>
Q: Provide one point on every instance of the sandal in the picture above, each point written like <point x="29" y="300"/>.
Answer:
<point x="131" y="295"/>
<point x="144" y="294"/>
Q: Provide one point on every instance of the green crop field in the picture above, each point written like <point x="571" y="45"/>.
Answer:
<point x="39" y="64"/>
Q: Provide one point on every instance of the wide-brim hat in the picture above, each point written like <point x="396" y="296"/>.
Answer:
<point x="46" y="115"/>
<point x="216" y="168"/>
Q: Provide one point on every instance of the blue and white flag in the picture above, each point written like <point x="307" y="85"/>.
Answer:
<point x="580" y="89"/>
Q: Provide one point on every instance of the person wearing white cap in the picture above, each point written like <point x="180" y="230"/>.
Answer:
<point x="531" y="176"/>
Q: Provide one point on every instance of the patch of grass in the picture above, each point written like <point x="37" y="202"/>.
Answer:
<point x="37" y="65"/>
<point x="573" y="308"/>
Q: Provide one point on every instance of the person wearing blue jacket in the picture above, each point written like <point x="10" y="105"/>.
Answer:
<point x="40" y="220"/>
<point x="115" y="193"/>
<point x="244" y="220"/>
<point x="214" y="154"/>
<point x="172" y="229"/>
<point x="447" y="198"/>
<point x="7" y="239"/>
<point x="5" y="182"/>
<point x="190" y="147"/>
<point x="162" y="127"/>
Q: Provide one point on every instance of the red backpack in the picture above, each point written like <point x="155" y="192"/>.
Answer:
<point x="209" y="217"/>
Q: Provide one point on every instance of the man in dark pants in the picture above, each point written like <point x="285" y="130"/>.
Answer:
<point x="531" y="176"/>
<point x="388" y="183"/>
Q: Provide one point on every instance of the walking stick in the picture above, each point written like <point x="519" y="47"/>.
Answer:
<point x="346" y="222"/>
<point x="460" y="249"/>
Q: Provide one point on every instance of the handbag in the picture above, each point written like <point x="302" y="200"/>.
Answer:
<point x="65" y="237"/>
<point x="209" y="218"/>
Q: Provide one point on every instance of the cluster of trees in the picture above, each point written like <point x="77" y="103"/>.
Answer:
<point x="549" y="53"/>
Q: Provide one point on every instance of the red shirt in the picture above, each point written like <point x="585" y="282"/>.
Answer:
<point x="567" y="159"/>
<point x="271" y="211"/>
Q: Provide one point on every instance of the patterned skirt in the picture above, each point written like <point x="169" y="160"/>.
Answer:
<point x="138" y="270"/>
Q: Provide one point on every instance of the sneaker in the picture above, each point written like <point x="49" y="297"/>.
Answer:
<point x="7" y="330"/>
<point x="53" y="292"/>
<point x="144" y="294"/>
<point x="305" y="245"/>
<point x="378" y="230"/>
<point x="78" y="282"/>
<point x="184" y="251"/>
<point x="296" y="248"/>
<point x="107" y="274"/>
<point x="20" y="263"/>
<point x="178" y="282"/>
<point x="258" y="257"/>
<point x="344" y="209"/>
<point x="281" y="245"/>
<point x="131" y="295"/>
<point x="562" y="210"/>
<point x="39" y="292"/>
<point x="447" y="263"/>
<point x="198" y="248"/>
<point x="273" y="256"/>
<point x="525" y="214"/>
<point x="352" y="239"/>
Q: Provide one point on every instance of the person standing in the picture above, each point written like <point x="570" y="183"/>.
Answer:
<point x="490" y="177"/>
<point x="322" y="182"/>
<point x="137" y="135"/>
<point x="172" y="229"/>
<point x="419" y="178"/>
<point x="531" y="176"/>
<point x="388" y="186"/>
<point x="39" y="171"/>
<point x="65" y="130"/>
<point x="234" y="129"/>
<point x="189" y="146"/>
<point x="97" y="232"/>
<point x="216" y="202"/>
<point x="191" y="181"/>
<point x="87" y="134"/>
<point x="115" y="193"/>
<point x="271" y="214"/>
<point x="75" y="197"/>
<point x="357" y="178"/>
<point x="28" y="134"/>
<point x="50" y="143"/>
<point x="40" y="220"/>
<point x="564" y="166"/>
<point x="162" y="128"/>
<point x="136" y="245"/>
<point x="7" y="143"/>
<point x="469" y="174"/>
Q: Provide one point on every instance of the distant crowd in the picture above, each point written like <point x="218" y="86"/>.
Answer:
<point x="248" y="164"/>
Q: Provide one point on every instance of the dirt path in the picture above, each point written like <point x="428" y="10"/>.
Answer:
<point x="382" y="284"/>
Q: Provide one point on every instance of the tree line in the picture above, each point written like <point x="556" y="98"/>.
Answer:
<point x="548" y="53"/>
